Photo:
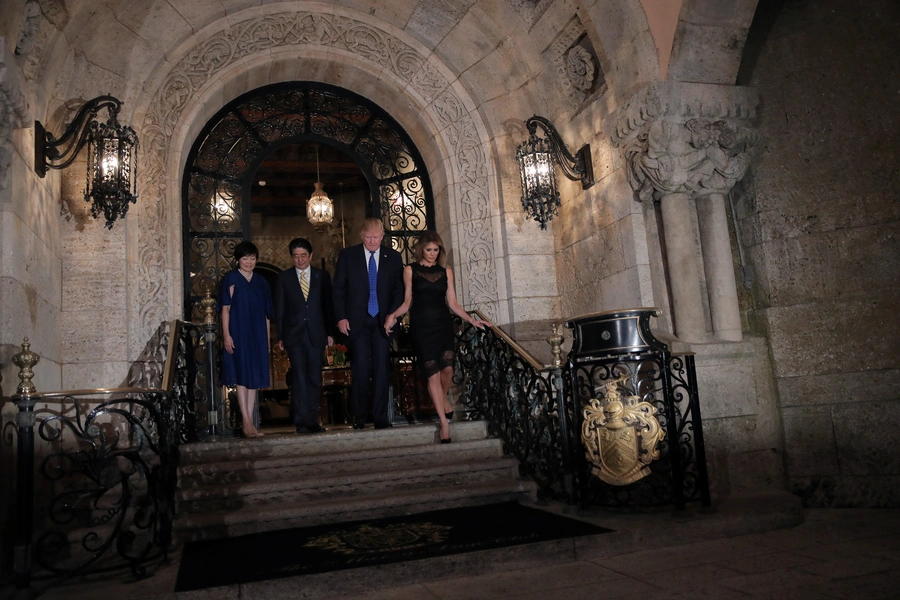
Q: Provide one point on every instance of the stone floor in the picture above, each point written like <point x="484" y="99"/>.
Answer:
<point x="834" y="554"/>
<point x="831" y="554"/>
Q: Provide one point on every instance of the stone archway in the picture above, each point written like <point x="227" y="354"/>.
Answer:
<point x="223" y="160"/>
<point x="229" y="50"/>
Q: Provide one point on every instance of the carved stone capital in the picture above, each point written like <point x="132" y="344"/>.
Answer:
<point x="685" y="138"/>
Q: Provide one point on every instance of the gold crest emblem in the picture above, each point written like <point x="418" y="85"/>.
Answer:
<point x="621" y="435"/>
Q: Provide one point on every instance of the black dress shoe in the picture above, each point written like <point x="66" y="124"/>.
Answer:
<point x="301" y="429"/>
<point x="383" y="425"/>
<point x="315" y="429"/>
<point x="359" y="424"/>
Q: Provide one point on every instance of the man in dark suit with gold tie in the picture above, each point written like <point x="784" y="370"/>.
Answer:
<point x="368" y="286"/>
<point x="305" y="322"/>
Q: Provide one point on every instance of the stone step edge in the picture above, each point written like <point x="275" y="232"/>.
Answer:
<point x="270" y="462"/>
<point x="326" y="481"/>
<point x="426" y="432"/>
<point x="268" y="513"/>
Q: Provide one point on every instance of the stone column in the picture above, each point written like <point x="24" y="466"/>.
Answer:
<point x="684" y="270"/>
<point x="721" y="288"/>
<point x="691" y="141"/>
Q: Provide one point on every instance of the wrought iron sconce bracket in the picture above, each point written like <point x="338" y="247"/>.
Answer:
<point x="112" y="161"/>
<point x="577" y="167"/>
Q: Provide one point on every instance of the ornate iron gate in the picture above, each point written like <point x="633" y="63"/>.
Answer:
<point x="239" y="137"/>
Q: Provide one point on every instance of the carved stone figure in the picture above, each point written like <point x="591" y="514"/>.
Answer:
<point x="698" y="157"/>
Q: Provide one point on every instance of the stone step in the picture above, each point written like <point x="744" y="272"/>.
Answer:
<point x="337" y="440"/>
<point x="344" y="485"/>
<point x="220" y="524"/>
<point x="306" y="465"/>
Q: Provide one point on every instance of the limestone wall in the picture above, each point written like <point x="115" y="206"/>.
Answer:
<point x="30" y="247"/>
<point x="820" y="222"/>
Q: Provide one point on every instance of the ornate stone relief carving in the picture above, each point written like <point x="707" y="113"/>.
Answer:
<point x="575" y="66"/>
<point x="367" y="43"/>
<point x="689" y="138"/>
<point x="698" y="157"/>
<point x="14" y="110"/>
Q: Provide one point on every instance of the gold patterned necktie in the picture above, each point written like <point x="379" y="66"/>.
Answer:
<point x="304" y="285"/>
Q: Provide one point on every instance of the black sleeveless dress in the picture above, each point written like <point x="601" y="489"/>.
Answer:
<point x="430" y="323"/>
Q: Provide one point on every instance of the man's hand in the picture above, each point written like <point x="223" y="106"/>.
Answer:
<point x="330" y="341"/>
<point x="280" y="345"/>
<point x="344" y="326"/>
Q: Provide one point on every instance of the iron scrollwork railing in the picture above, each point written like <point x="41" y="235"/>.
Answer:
<point x="618" y="425"/>
<point x="104" y="495"/>
<point x="509" y="389"/>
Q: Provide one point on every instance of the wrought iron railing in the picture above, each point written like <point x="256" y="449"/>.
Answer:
<point x="102" y="496"/>
<point x="507" y="387"/>
<point x="616" y="425"/>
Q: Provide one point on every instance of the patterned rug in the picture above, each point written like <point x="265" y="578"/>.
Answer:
<point x="322" y="548"/>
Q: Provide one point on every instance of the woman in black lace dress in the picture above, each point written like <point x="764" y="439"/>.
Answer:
<point x="430" y="297"/>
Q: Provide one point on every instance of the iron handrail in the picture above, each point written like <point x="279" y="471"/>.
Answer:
<point x="531" y="360"/>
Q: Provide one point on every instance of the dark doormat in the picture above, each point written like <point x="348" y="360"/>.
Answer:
<point x="322" y="548"/>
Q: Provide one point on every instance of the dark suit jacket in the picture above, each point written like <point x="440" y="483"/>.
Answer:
<point x="293" y="314"/>
<point x="351" y="286"/>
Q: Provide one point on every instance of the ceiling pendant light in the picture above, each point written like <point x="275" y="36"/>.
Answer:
<point x="319" y="207"/>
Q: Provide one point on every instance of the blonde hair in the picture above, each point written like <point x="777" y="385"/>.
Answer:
<point x="370" y="224"/>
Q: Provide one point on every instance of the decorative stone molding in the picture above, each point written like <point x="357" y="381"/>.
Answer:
<point x="681" y="102"/>
<point x="42" y="19"/>
<point x="575" y="66"/>
<point x="307" y="30"/>
<point x="14" y="109"/>
<point x="31" y="26"/>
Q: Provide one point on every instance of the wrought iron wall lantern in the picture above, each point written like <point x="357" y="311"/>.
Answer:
<point x="112" y="157"/>
<point x="537" y="157"/>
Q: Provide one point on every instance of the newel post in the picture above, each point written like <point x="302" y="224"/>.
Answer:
<point x="210" y="327"/>
<point x="25" y="398"/>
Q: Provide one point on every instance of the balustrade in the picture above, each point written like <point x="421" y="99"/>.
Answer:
<point x="616" y="425"/>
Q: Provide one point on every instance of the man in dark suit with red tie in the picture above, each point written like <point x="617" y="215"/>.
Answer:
<point x="305" y="322"/>
<point x="368" y="286"/>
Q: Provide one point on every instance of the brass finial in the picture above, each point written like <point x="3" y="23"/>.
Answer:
<point x="25" y="360"/>
<point x="208" y="304"/>
<point x="555" y="340"/>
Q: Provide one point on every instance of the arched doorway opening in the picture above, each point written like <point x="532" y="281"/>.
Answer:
<point x="219" y="179"/>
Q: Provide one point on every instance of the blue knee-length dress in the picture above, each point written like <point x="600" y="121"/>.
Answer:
<point x="251" y="305"/>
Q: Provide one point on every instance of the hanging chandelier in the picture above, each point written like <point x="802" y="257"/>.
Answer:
<point x="319" y="207"/>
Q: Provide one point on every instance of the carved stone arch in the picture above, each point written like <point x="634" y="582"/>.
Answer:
<point x="341" y="47"/>
<point x="229" y="149"/>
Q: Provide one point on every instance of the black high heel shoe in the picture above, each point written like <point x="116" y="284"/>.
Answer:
<point x="447" y="441"/>
<point x="449" y="415"/>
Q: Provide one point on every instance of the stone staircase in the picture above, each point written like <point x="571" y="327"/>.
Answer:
<point x="241" y="486"/>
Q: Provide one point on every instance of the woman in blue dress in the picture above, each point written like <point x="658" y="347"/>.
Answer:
<point x="246" y="305"/>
